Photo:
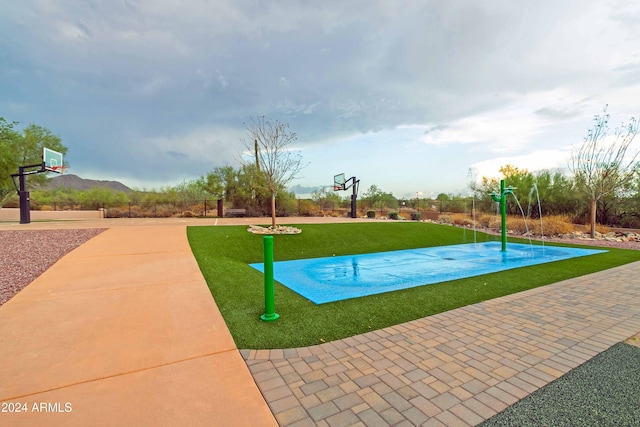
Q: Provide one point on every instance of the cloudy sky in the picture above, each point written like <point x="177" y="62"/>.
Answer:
<point x="407" y="95"/>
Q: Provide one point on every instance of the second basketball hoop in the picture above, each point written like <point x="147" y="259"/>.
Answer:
<point x="339" y="182"/>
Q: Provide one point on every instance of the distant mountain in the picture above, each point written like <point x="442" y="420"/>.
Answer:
<point x="74" y="182"/>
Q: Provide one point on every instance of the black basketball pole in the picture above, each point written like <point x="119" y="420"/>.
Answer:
<point x="25" y="200"/>
<point x="354" y="203"/>
<point x="354" y="195"/>
<point x="25" y="203"/>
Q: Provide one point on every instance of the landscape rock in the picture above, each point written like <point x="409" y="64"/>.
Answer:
<point x="279" y="229"/>
<point x="618" y="236"/>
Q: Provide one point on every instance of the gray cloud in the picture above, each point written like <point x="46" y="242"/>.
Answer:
<point x="555" y="113"/>
<point x="130" y="75"/>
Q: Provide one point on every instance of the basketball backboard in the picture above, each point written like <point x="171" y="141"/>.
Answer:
<point x="52" y="160"/>
<point x="338" y="182"/>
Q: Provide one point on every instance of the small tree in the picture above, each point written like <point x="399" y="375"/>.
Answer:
<point x="22" y="149"/>
<point x="269" y="142"/>
<point x="9" y="162"/>
<point x="601" y="165"/>
<point x="373" y="195"/>
<point x="325" y="199"/>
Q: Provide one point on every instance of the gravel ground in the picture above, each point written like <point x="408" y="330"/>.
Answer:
<point x="576" y="241"/>
<point x="604" y="391"/>
<point x="26" y="254"/>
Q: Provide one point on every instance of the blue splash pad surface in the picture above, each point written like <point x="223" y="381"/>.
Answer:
<point x="323" y="280"/>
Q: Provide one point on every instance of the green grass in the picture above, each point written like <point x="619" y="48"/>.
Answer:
<point x="223" y="254"/>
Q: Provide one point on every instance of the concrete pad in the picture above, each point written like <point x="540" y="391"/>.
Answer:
<point x="211" y="390"/>
<point x="92" y="335"/>
<point x="115" y="272"/>
<point x="124" y="329"/>
<point x="150" y="239"/>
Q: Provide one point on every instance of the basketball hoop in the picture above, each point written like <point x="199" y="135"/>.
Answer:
<point x="58" y="169"/>
<point x="52" y="161"/>
<point x="338" y="182"/>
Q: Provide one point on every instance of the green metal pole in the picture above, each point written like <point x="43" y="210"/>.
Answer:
<point x="502" y="198"/>
<point x="503" y="213"/>
<point x="269" y="304"/>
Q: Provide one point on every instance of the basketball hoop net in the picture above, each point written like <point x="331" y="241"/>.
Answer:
<point x="58" y="169"/>
<point x="337" y="188"/>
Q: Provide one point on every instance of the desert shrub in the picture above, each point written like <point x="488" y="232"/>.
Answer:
<point x="136" y="212"/>
<point x="285" y="207"/>
<point x="196" y="209"/>
<point x="46" y="208"/>
<point x="629" y="220"/>
<point x="393" y="215"/>
<point x="188" y="214"/>
<point x="463" y="220"/>
<point x="586" y="228"/>
<point x="308" y="208"/>
<point x="117" y="213"/>
<point x="445" y="218"/>
<point x="163" y="211"/>
<point x="335" y="213"/>
<point x="517" y="225"/>
<point x="488" y="221"/>
<point x="553" y="225"/>
<point x="371" y="214"/>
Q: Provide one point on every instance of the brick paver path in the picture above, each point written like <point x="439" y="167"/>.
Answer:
<point x="456" y="368"/>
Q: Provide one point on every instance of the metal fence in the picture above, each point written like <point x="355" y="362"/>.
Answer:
<point x="299" y="207"/>
<point x="211" y="208"/>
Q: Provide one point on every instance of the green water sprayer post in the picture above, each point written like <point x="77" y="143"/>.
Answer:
<point x="269" y="304"/>
<point x="502" y="198"/>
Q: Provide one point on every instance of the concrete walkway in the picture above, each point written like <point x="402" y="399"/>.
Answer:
<point x="456" y="368"/>
<point x="123" y="331"/>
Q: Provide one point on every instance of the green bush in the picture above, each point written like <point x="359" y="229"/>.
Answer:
<point x="393" y="215"/>
<point x="308" y="208"/>
<point x="371" y="214"/>
<point x="415" y="216"/>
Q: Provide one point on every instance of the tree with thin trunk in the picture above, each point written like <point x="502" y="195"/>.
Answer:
<point x="22" y="149"/>
<point x="601" y="165"/>
<point x="276" y="163"/>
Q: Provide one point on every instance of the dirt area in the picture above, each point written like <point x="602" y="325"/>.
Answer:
<point x="26" y="254"/>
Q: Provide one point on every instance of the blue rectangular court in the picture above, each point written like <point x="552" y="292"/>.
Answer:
<point x="330" y="279"/>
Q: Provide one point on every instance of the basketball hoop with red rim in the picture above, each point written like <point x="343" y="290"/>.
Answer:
<point x="58" y="169"/>
<point x="338" y="182"/>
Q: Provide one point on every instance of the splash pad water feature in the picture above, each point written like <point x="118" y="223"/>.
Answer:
<point x="323" y="280"/>
<point x="502" y="199"/>
<point x="329" y="279"/>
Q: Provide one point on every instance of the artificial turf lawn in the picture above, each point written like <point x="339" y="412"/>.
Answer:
<point x="224" y="252"/>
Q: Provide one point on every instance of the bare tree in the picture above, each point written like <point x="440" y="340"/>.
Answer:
<point x="275" y="161"/>
<point x="601" y="165"/>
